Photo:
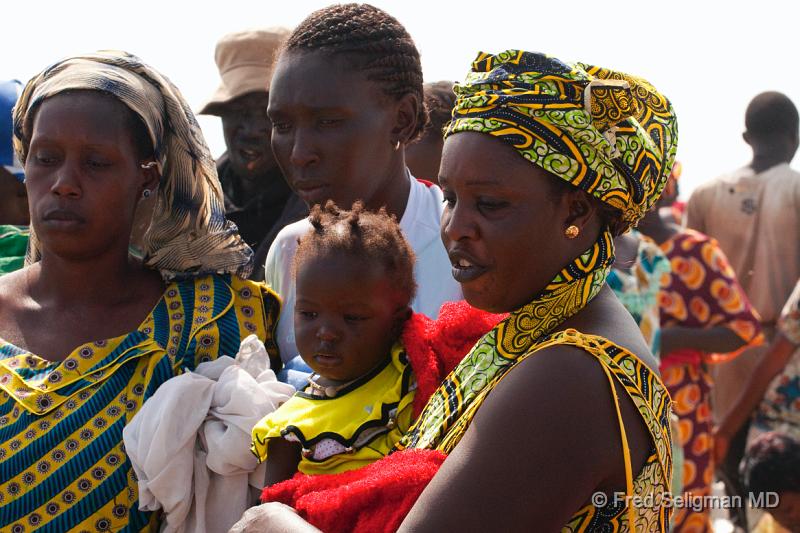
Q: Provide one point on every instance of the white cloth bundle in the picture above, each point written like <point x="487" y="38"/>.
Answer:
<point x="190" y="442"/>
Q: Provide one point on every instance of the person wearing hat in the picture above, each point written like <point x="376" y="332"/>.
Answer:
<point x="257" y="197"/>
<point x="13" y="197"/>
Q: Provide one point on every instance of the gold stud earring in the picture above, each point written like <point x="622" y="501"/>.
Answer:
<point x="572" y="231"/>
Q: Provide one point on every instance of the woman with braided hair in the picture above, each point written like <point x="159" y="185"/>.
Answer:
<point x="345" y="100"/>
<point x="556" y="420"/>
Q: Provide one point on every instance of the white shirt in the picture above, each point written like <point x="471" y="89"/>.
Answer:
<point x="755" y="218"/>
<point x="432" y="270"/>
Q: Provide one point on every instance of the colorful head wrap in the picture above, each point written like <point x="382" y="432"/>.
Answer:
<point x="188" y="234"/>
<point x="610" y="134"/>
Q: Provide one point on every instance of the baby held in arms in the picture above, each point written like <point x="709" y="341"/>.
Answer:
<point x="354" y="281"/>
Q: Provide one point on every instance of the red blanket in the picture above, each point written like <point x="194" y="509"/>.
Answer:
<point x="435" y="347"/>
<point x="371" y="499"/>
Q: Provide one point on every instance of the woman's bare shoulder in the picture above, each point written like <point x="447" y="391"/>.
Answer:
<point x="13" y="286"/>
<point x="561" y="376"/>
<point x="14" y="296"/>
<point x="606" y="317"/>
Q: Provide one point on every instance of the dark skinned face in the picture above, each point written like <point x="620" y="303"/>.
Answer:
<point x="247" y="131"/>
<point x="502" y="229"/>
<point x="332" y="130"/>
<point x="13" y="200"/>
<point x="424" y="156"/>
<point x="347" y="315"/>
<point x="83" y="175"/>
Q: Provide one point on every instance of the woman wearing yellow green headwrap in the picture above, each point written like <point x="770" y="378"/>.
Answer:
<point x="556" y="419"/>
<point x="584" y="411"/>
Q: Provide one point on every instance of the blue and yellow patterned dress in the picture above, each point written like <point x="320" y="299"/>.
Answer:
<point x="62" y="460"/>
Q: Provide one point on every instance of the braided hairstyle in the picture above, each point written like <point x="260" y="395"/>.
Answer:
<point x="374" y="238"/>
<point x="440" y="100"/>
<point x="373" y="41"/>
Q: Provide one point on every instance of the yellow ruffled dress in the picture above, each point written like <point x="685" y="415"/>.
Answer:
<point x="358" y="426"/>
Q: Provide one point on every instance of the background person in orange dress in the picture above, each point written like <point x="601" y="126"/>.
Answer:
<point x="704" y="312"/>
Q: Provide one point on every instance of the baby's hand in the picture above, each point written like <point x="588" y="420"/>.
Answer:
<point x="272" y="517"/>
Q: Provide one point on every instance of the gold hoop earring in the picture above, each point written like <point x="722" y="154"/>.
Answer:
<point x="572" y="231"/>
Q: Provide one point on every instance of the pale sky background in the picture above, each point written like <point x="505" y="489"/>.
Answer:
<point x="709" y="57"/>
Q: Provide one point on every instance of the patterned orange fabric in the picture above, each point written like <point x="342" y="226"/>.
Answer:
<point x="703" y="292"/>
<point x="690" y="387"/>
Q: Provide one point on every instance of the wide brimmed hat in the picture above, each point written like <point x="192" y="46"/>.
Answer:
<point x="245" y="61"/>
